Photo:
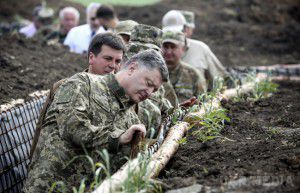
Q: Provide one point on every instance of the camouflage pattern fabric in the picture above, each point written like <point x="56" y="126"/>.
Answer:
<point x="87" y="111"/>
<point x="186" y="81"/>
<point x="146" y="34"/>
<point x="125" y="27"/>
<point x="150" y="115"/>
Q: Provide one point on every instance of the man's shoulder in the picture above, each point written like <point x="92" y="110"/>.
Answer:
<point x="187" y="67"/>
<point x="197" y="44"/>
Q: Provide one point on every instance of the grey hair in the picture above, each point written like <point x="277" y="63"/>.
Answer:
<point x="69" y="10"/>
<point x="150" y="59"/>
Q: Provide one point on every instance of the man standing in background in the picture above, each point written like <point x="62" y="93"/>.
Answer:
<point x="68" y="18"/>
<point x="79" y="38"/>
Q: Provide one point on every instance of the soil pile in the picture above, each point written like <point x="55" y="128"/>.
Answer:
<point x="263" y="146"/>
<point x="27" y="65"/>
<point x="240" y="33"/>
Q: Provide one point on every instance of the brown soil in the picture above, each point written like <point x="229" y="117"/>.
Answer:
<point x="266" y="148"/>
<point x="27" y="66"/>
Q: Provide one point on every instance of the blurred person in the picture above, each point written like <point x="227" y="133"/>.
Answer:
<point x="79" y="38"/>
<point x="68" y="19"/>
<point x="107" y="18"/>
<point x="124" y="29"/>
<point x="42" y="16"/>
<point x="185" y="79"/>
<point x="189" y="26"/>
<point x="197" y="53"/>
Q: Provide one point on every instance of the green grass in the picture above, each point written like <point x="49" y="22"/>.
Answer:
<point x="136" y="3"/>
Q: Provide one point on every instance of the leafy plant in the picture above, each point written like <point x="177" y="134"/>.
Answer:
<point x="100" y="170"/>
<point x="262" y="89"/>
<point x="212" y="123"/>
<point x="138" y="180"/>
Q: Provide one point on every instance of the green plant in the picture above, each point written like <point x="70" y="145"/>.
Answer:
<point x="100" y="170"/>
<point x="262" y="89"/>
<point x="271" y="133"/>
<point x="212" y="123"/>
<point x="138" y="180"/>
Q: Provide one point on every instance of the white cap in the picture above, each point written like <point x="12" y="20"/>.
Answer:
<point x="173" y="21"/>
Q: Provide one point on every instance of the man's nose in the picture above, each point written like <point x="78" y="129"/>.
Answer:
<point x="112" y="64"/>
<point x="150" y="90"/>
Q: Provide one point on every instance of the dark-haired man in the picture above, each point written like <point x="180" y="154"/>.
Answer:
<point x="107" y="18"/>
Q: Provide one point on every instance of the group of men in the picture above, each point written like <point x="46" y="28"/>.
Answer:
<point x="137" y="74"/>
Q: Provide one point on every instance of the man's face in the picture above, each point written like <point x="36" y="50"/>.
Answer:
<point x="107" y="23"/>
<point x="106" y="61"/>
<point x="172" y="53"/>
<point x="188" y="31"/>
<point x="68" y="22"/>
<point x="141" y="82"/>
<point x="93" y="21"/>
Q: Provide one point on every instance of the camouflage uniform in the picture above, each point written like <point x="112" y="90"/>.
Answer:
<point x="88" y="111"/>
<point x="145" y="37"/>
<point x="125" y="27"/>
<point x="185" y="79"/>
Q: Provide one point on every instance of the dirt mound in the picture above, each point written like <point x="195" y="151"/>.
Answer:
<point x="27" y="66"/>
<point x="249" y="32"/>
<point x="264" y="143"/>
<point x="240" y="33"/>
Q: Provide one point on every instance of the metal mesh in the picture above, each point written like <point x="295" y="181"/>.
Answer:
<point x="17" y="127"/>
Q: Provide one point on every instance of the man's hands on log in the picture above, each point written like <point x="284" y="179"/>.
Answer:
<point x="126" y="137"/>
<point x="190" y="102"/>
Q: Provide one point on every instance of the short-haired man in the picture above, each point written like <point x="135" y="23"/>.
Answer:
<point x="68" y="19"/>
<point x="185" y="79"/>
<point x="79" y="38"/>
<point x="107" y="18"/>
<point x="197" y="53"/>
<point x="89" y="113"/>
<point x="105" y="53"/>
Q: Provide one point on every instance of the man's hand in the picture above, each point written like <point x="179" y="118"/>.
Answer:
<point x="188" y="103"/>
<point x="126" y="137"/>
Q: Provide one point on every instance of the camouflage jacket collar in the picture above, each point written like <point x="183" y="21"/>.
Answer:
<point x="119" y="92"/>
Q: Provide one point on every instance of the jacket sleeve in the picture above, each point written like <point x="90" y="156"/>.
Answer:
<point x="74" y="117"/>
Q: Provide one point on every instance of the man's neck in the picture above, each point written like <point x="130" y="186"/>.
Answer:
<point x="172" y="65"/>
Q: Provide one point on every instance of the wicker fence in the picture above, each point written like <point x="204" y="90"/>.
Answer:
<point x="17" y="127"/>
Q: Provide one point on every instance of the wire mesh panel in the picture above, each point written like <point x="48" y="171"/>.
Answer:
<point x="17" y="127"/>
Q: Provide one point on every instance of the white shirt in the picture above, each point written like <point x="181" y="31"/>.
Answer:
<point x="200" y="56"/>
<point x="79" y="38"/>
<point x="28" y="30"/>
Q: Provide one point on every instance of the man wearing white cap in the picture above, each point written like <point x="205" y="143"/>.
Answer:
<point x="197" y="53"/>
<point x="79" y="38"/>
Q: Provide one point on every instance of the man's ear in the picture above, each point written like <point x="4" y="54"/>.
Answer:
<point x="133" y="66"/>
<point x="91" y="58"/>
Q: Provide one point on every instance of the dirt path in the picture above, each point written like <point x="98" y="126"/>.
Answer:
<point x="264" y="156"/>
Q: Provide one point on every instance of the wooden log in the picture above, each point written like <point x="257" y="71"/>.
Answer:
<point x="169" y="147"/>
